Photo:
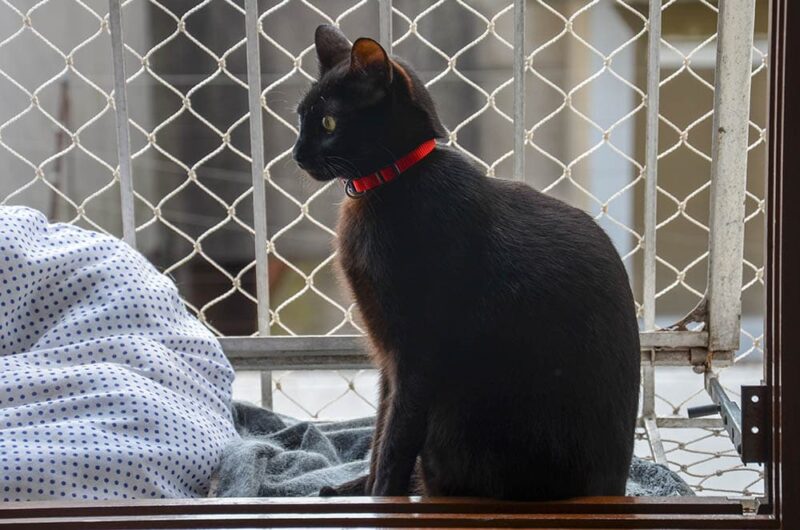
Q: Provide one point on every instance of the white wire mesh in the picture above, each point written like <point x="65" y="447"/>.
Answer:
<point x="39" y="133"/>
<point x="190" y="147"/>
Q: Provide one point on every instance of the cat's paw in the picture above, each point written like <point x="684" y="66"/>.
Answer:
<point x="328" y="491"/>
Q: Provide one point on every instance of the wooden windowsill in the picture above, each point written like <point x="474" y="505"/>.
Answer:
<point x="595" y="512"/>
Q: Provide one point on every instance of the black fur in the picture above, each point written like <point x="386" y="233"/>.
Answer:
<point x="501" y="319"/>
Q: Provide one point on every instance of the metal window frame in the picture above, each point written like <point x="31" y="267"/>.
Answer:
<point x="780" y="511"/>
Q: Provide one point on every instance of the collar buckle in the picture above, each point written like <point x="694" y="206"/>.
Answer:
<point x="350" y="189"/>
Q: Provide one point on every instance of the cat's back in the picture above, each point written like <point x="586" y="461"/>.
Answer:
<point x="523" y="212"/>
<point x="551" y="243"/>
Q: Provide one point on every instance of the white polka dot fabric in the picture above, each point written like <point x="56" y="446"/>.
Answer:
<point x="109" y="389"/>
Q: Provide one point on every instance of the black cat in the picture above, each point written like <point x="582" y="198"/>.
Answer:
<point x="501" y="319"/>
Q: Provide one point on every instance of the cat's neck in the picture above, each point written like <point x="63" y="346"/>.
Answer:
<point x="444" y="177"/>
<point x="359" y="186"/>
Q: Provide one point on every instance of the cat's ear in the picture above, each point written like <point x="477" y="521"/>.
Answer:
<point x="369" y="57"/>
<point x="332" y="47"/>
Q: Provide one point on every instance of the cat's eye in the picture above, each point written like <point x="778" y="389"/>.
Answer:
<point x="329" y="123"/>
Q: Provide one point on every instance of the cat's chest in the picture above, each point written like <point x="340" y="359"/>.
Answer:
<point x="368" y="256"/>
<point x="367" y="246"/>
<point x="399" y="253"/>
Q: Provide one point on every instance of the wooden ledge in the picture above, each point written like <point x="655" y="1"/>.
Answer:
<point x="594" y="512"/>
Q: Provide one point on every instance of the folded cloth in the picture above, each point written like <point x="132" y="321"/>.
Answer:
<point x="109" y="388"/>
<point x="278" y="456"/>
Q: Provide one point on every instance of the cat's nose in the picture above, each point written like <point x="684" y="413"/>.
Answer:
<point x="299" y="156"/>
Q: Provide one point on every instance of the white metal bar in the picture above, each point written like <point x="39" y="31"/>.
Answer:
<point x="309" y="352"/>
<point x="668" y="347"/>
<point x="648" y="384"/>
<point x="651" y="163"/>
<point x="672" y="339"/>
<point x="685" y="423"/>
<point x="264" y="354"/>
<point x="660" y="341"/>
<point x="257" y="165"/>
<point x="385" y="24"/>
<point x="259" y="192"/>
<point x="650" y="221"/>
<point x="330" y="344"/>
<point x="654" y="438"/>
<point x="729" y="171"/>
<point x="123" y="126"/>
<point x="519" y="89"/>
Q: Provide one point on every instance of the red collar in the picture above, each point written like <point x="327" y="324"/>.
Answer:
<point x="355" y="187"/>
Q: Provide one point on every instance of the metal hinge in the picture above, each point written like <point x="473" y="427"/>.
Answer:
<point x="747" y="427"/>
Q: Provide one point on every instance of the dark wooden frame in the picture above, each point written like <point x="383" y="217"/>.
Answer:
<point x="780" y="511"/>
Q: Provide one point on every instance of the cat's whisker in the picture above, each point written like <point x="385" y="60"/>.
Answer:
<point x="348" y="169"/>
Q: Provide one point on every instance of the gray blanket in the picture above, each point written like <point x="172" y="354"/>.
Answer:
<point x="278" y="456"/>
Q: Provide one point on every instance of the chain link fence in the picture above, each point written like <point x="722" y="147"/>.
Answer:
<point x="583" y="138"/>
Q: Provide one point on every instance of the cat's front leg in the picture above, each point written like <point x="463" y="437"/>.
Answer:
<point x="380" y="424"/>
<point x="402" y="437"/>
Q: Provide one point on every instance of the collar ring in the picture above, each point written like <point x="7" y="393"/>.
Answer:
<point x="350" y="189"/>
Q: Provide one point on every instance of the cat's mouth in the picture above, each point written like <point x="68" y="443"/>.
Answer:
<point x="320" y="175"/>
<point x="326" y="171"/>
<point x="324" y="168"/>
<point x="314" y="171"/>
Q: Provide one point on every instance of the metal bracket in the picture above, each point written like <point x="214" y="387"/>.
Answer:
<point x="748" y="426"/>
<point x="750" y="505"/>
<point x="755" y="424"/>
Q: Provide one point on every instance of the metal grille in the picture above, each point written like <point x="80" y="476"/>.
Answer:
<point x="197" y="190"/>
<point x="38" y="129"/>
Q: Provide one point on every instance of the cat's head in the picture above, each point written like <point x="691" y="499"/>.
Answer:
<point x="365" y="111"/>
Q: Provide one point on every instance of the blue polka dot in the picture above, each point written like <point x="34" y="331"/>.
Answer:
<point x="104" y="375"/>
